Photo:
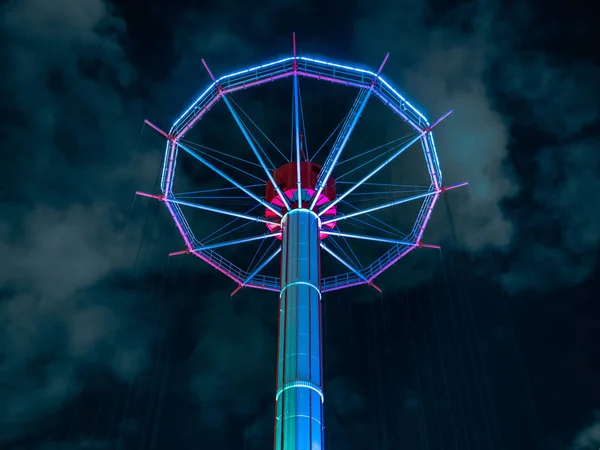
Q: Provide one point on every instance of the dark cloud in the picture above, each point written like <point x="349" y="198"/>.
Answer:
<point x="560" y="226"/>
<point x="411" y="401"/>
<point x="443" y="68"/>
<point x="589" y="437"/>
<point x="232" y="347"/>
<point x="82" y="445"/>
<point x="469" y="61"/>
<point x="71" y="134"/>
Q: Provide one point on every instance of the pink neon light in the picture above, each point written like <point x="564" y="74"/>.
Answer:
<point x="217" y="97"/>
<point x="435" y="247"/>
<point x="344" y="286"/>
<point x="392" y="262"/>
<point x="190" y="246"/>
<point x="374" y="82"/>
<point x="208" y="70"/>
<point x="432" y="165"/>
<point x="427" y="217"/>
<point x="260" y="286"/>
<point x="412" y="247"/>
<point x="145" y="194"/>
<point x="295" y="57"/>
<point x="381" y="97"/>
<point x="333" y="80"/>
<point x="170" y="174"/>
<point x="258" y="82"/>
<point x="432" y="173"/>
<point x="387" y="55"/>
<point x="198" y="116"/>
<point x="147" y="122"/>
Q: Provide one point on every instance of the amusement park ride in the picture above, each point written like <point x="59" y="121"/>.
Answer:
<point x="303" y="209"/>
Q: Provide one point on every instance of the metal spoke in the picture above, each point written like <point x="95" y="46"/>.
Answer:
<point x="231" y="180"/>
<point x="391" y="230"/>
<point x="376" y="208"/>
<point x="204" y="191"/>
<point x="366" y="238"/>
<point x="342" y="139"/>
<point x="209" y="149"/>
<point x="327" y="140"/>
<point x="348" y="265"/>
<point x="388" y="193"/>
<point x="256" y="152"/>
<point x="262" y="266"/>
<point x="237" y="241"/>
<point x="220" y="232"/>
<point x="259" y="130"/>
<point x="220" y="211"/>
<point x="297" y="138"/>
<point x="386" y="184"/>
<point x="340" y="142"/>
<point x="366" y="163"/>
<point x="374" y="149"/>
<point x="329" y="205"/>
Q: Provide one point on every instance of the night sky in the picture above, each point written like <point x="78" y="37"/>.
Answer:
<point x="106" y="343"/>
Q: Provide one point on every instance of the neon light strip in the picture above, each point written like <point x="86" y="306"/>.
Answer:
<point x="340" y="143"/>
<point x="262" y="287"/>
<point x="297" y="133"/>
<point x="392" y="262"/>
<point x="198" y="116"/>
<point x="368" y="72"/>
<point x="262" y="266"/>
<point x="428" y="142"/>
<point x="221" y="211"/>
<point x="366" y="238"/>
<point x="355" y="186"/>
<point x="189" y="245"/>
<point x="257" y="82"/>
<point x="264" y="66"/>
<point x="305" y="283"/>
<point x="337" y="287"/>
<point x="378" y="207"/>
<point x="298" y="210"/>
<point x="427" y="217"/>
<point x="228" y="178"/>
<point x="297" y="384"/>
<point x="236" y="241"/>
<point x="344" y="262"/>
<point x="194" y="104"/>
<point x="302" y="58"/>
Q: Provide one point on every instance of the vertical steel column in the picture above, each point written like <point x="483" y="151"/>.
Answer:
<point x="299" y="398"/>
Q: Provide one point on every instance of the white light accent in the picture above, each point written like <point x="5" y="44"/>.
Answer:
<point x="304" y="384"/>
<point x="304" y="283"/>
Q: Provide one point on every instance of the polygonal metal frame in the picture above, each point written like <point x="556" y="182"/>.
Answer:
<point x="320" y="70"/>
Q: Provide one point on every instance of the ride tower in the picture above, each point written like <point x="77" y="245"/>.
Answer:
<point x="301" y="206"/>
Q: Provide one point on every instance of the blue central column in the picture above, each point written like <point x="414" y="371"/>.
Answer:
<point x="299" y="398"/>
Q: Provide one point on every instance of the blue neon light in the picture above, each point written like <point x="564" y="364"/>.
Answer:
<point x="194" y="104"/>
<point x="241" y="72"/>
<point x="302" y="58"/>
<point x="264" y="73"/>
<point x="356" y="69"/>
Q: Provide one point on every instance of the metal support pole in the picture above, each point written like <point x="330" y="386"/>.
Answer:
<point x="297" y="124"/>
<point x="297" y="133"/>
<point x="299" y="398"/>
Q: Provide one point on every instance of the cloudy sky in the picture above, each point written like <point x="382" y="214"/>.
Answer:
<point x="105" y="343"/>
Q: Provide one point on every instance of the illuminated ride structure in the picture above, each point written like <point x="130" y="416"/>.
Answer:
<point x="303" y="209"/>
